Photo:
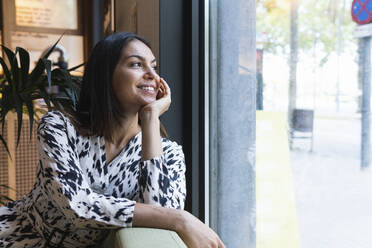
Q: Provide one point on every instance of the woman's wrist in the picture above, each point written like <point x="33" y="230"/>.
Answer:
<point x="146" y="215"/>
<point x="151" y="139"/>
<point x="179" y="220"/>
<point x="149" y="116"/>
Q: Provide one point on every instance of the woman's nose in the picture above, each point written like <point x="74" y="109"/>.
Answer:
<point x="152" y="74"/>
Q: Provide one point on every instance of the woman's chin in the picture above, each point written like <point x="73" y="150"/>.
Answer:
<point x="147" y="101"/>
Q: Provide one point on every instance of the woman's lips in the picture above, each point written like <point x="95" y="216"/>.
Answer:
<point x="148" y="89"/>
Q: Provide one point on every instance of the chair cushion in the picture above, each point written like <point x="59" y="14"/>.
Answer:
<point x="143" y="238"/>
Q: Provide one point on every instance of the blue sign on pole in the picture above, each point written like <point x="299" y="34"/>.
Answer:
<point x="361" y="11"/>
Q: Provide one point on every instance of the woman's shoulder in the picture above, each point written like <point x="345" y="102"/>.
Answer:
<point x="54" y="117"/>
<point x="56" y="121"/>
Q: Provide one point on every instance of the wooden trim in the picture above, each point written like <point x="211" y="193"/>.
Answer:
<point x="80" y="12"/>
<point x="86" y="12"/>
<point x="108" y="21"/>
<point x="8" y="7"/>
<point x="9" y="22"/>
<point x="1" y="19"/>
<point x="48" y="30"/>
<point x="11" y="140"/>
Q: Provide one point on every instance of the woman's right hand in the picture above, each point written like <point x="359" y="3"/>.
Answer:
<point x="193" y="232"/>
<point x="196" y="234"/>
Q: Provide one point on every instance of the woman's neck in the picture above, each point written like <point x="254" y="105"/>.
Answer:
<point x="125" y="130"/>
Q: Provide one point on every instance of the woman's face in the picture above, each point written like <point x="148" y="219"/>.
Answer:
<point x="135" y="81"/>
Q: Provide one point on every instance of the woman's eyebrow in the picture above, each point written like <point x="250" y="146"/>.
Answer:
<point x="139" y="57"/>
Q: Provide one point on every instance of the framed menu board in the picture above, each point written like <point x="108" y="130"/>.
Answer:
<point x="44" y="16"/>
<point x="37" y="24"/>
<point x="60" y="14"/>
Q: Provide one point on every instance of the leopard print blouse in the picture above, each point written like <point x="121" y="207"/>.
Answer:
<point x="78" y="196"/>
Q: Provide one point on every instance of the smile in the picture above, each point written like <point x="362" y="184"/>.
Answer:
<point x="147" y="88"/>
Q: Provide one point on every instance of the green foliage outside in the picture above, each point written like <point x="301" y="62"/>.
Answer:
<point x="317" y="25"/>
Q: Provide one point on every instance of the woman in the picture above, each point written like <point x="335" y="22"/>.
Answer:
<point x="106" y="166"/>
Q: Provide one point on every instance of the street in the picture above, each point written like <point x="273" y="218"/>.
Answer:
<point x="333" y="195"/>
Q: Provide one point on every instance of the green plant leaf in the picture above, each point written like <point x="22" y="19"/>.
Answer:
<point x="14" y="65"/>
<point x="7" y="186"/>
<point x="6" y="71"/>
<point x="4" y="197"/>
<point x="15" y="72"/>
<point x="3" y="120"/>
<point x="58" y="104"/>
<point x="45" y="96"/>
<point x="6" y="104"/>
<point x="67" y="78"/>
<point x="5" y="144"/>
<point x="48" y="68"/>
<point x="30" y="109"/>
<point x="36" y="73"/>
<point x="46" y="55"/>
<point x="24" y="58"/>
<point x="40" y="65"/>
<point x="18" y="107"/>
<point x="75" y="67"/>
<point x="9" y="54"/>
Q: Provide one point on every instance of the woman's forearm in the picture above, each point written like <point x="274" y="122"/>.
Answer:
<point x="146" y="215"/>
<point x="191" y="230"/>
<point x="151" y="139"/>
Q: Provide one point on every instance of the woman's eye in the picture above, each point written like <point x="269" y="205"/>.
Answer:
<point x="136" y="64"/>
<point x="155" y="67"/>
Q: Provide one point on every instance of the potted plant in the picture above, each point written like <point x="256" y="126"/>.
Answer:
<point x="19" y="88"/>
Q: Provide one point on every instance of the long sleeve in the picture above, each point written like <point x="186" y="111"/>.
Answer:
<point x="66" y="185"/>
<point x="162" y="179"/>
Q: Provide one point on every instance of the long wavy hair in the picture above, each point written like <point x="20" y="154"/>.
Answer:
<point x="98" y="110"/>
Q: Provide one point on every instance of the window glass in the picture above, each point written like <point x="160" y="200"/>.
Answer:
<point x="311" y="186"/>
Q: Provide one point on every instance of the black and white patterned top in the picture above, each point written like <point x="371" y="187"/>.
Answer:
<point x="78" y="196"/>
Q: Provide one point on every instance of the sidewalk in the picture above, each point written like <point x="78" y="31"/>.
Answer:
<point x="277" y="224"/>
<point x="333" y="195"/>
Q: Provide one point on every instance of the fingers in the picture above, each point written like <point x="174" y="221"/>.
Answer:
<point x="221" y="244"/>
<point x="164" y="90"/>
<point x="164" y="86"/>
<point x="161" y="89"/>
<point x="160" y="92"/>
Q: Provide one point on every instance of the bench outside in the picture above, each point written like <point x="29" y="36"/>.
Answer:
<point x="143" y="238"/>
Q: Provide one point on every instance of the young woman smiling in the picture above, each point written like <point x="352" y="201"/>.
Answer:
<point x="109" y="164"/>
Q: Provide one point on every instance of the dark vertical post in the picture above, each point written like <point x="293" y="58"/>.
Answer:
<point x="260" y="85"/>
<point x="365" y="63"/>
<point x="174" y="69"/>
<point x="97" y="21"/>
<point x="195" y="105"/>
<point x="293" y="61"/>
<point x="181" y="64"/>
